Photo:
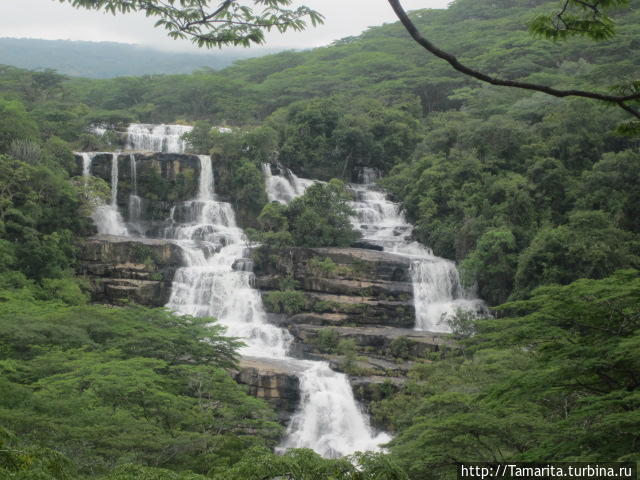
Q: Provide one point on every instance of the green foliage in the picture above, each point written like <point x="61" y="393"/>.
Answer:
<point x="400" y="348"/>
<point x="319" y="218"/>
<point x="588" y="246"/>
<point x="327" y="340"/>
<point x="462" y="323"/>
<point x="508" y="208"/>
<point x="38" y="212"/>
<point x="230" y="23"/>
<point x="326" y="138"/>
<point x="554" y="377"/>
<point x="347" y="348"/>
<point x="108" y="386"/>
<point x="578" y="18"/>
<point x="236" y="159"/>
<point x="325" y="267"/>
<point x="15" y="124"/>
<point x="288" y="301"/>
<point x="19" y="461"/>
<point x="304" y="464"/>
<point x="492" y="264"/>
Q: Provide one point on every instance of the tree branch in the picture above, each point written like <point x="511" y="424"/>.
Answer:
<point x="455" y="63"/>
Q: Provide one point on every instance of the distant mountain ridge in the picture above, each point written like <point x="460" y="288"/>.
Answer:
<point x="111" y="59"/>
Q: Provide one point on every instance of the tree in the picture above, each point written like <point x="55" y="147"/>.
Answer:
<point x="231" y="22"/>
<point x="576" y="17"/>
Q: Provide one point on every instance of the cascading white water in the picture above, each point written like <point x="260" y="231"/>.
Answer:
<point x="135" y="202"/>
<point x="217" y="282"/>
<point x="106" y="217"/>
<point x="284" y="188"/>
<point x="329" y="420"/>
<point x="86" y="164"/>
<point x="437" y="290"/>
<point x="209" y="285"/>
<point x="279" y="188"/>
<point x="157" y="138"/>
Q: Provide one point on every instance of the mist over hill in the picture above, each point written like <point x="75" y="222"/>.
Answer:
<point x="111" y="59"/>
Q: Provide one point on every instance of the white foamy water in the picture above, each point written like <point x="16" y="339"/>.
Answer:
<point x="209" y="286"/>
<point x="135" y="202"/>
<point x="106" y="217"/>
<point x="329" y="420"/>
<point x="217" y="281"/>
<point x="284" y="188"/>
<point x="437" y="290"/>
<point x="157" y="138"/>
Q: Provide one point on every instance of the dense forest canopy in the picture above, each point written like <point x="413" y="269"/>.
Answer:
<point x="537" y="198"/>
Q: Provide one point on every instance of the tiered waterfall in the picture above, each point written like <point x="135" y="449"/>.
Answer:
<point x="216" y="281"/>
<point x="437" y="290"/>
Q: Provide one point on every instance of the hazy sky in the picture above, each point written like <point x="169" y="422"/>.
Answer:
<point x="51" y="20"/>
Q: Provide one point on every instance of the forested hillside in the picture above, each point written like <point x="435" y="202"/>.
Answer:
<point x="536" y="198"/>
<point x="109" y="59"/>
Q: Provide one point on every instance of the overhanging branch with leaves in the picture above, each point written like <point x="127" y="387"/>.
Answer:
<point x="630" y="93"/>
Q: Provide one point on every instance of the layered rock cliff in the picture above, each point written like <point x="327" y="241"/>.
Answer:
<point x="351" y="307"/>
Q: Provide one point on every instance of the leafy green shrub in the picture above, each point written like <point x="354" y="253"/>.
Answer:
<point x="319" y="218"/>
<point x="462" y="323"/>
<point x="288" y="283"/>
<point x="400" y="348"/>
<point x="326" y="267"/>
<point x="110" y="386"/>
<point x="289" y="302"/>
<point x="67" y="290"/>
<point x="347" y="348"/>
<point x="327" y="340"/>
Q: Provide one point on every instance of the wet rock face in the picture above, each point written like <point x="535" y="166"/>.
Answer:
<point x="122" y="269"/>
<point x="353" y="286"/>
<point x="273" y="382"/>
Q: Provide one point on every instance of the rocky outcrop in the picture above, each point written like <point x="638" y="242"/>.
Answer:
<point x="351" y="307"/>
<point x="333" y="263"/>
<point x="275" y="381"/>
<point x="162" y="179"/>
<point x="340" y="285"/>
<point x="121" y="269"/>
<point x="395" y="343"/>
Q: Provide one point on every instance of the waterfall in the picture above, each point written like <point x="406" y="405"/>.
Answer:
<point x="106" y="217"/>
<point x="329" y="420"/>
<point x="279" y="188"/>
<point x="157" y="138"/>
<point x="86" y="164"/>
<point x="437" y="290"/>
<point x="215" y="282"/>
<point x="135" y="202"/>
<point x="208" y="285"/>
<point x="284" y="188"/>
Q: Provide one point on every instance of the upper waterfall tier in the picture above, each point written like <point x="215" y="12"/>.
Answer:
<point x="106" y="217"/>
<point x="157" y="138"/>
